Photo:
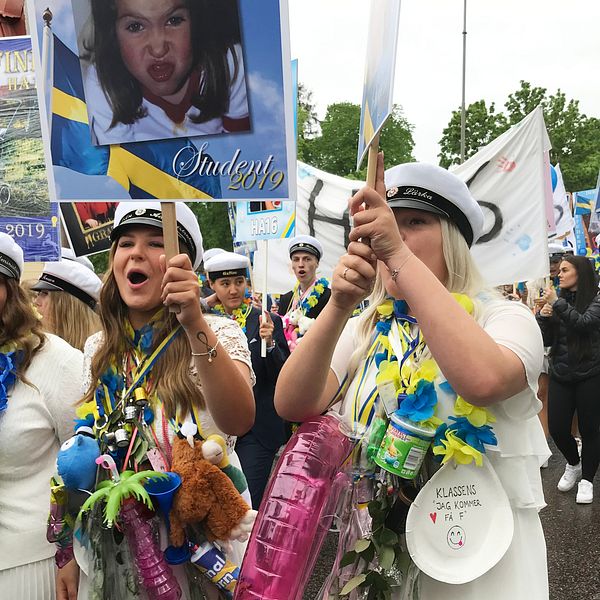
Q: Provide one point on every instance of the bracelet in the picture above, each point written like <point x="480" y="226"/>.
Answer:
<point x="394" y="272"/>
<point x="211" y="352"/>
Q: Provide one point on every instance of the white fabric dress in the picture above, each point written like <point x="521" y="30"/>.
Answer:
<point x="156" y="125"/>
<point x="521" y="450"/>
<point x="38" y="418"/>
<point x="233" y="340"/>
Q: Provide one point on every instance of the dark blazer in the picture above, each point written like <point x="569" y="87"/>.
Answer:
<point x="286" y="299"/>
<point x="268" y="426"/>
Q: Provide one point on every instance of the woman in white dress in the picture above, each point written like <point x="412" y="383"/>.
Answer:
<point x="420" y="224"/>
<point x="203" y="375"/>
<point x="37" y="409"/>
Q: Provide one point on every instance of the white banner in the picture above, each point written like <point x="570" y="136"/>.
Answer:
<point x="508" y="177"/>
<point x="562" y="211"/>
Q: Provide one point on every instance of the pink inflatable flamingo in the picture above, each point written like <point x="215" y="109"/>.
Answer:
<point x="295" y="513"/>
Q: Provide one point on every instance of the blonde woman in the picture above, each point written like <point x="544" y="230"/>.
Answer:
<point x="197" y="367"/>
<point x="40" y="379"/>
<point x="420" y="223"/>
<point x="67" y="297"/>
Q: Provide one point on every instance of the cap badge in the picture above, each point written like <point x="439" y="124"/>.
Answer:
<point x="391" y="192"/>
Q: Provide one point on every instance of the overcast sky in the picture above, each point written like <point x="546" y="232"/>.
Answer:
<point x="550" y="43"/>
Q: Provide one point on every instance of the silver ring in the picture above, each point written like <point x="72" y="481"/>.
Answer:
<point x="344" y="273"/>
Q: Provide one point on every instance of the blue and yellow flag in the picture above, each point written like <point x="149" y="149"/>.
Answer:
<point x="143" y="169"/>
<point x="585" y="201"/>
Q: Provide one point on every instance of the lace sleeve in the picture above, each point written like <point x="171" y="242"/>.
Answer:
<point x="233" y="340"/>
<point x="91" y="347"/>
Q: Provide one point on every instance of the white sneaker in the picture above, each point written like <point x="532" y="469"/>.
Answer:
<point x="570" y="477"/>
<point x="545" y="465"/>
<point x="585" y="492"/>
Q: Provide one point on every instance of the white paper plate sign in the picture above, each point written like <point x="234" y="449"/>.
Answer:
<point x="460" y="524"/>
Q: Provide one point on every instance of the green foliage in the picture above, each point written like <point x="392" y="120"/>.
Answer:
<point x="574" y="136"/>
<point x="482" y="125"/>
<point x="334" y="148"/>
<point x="100" y="262"/>
<point x="214" y="224"/>
<point x="113" y="493"/>
<point x="377" y="554"/>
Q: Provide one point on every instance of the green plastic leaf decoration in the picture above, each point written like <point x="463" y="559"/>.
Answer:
<point x="352" y="584"/>
<point x="361" y="545"/>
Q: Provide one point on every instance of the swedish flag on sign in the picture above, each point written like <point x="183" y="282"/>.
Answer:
<point x="142" y="168"/>
<point x="584" y="202"/>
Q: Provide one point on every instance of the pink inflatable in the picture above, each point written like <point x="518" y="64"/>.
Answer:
<point x="295" y="513"/>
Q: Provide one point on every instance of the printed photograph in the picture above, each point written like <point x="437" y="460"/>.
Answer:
<point x="161" y="69"/>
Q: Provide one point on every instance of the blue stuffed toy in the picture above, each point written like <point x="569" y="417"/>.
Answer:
<point x="76" y="461"/>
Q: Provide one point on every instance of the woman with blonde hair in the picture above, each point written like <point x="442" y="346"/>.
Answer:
<point x="435" y="354"/>
<point x="40" y="382"/>
<point x="189" y="374"/>
<point x="67" y="297"/>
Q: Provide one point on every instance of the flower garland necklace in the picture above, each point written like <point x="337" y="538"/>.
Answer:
<point x="308" y="302"/>
<point x="10" y="358"/>
<point x="240" y="314"/>
<point x="406" y="387"/>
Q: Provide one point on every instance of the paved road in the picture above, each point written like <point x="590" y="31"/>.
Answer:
<point x="572" y="536"/>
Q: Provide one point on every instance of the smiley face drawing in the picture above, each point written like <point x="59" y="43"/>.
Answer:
<point x="456" y="537"/>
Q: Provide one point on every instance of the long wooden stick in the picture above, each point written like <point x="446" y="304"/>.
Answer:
<point x="170" y="237"/>
<point x="372" y="162"/>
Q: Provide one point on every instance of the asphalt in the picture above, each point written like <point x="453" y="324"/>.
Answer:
<point x="572" y="537"/>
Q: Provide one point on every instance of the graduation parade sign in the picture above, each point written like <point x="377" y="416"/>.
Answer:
<point x="122" y="126"/>
<point x="26" y="213"/>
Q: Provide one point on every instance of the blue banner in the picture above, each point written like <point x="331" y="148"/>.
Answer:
<point x="581" y="247"/>
<point x="25" y="209"/>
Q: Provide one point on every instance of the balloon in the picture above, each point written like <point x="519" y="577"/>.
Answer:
<point x="554" y="177"/>
<point x="295" y="513"/>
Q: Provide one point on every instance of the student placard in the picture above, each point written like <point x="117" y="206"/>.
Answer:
<point x="88" y="225"/>
<point x="379" y="72"/>
<point x="25" y="209"/>
<point x="269" y="220"/>
<point x="167" y="102"/>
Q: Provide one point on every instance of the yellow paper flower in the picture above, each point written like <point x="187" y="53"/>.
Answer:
<point x="320" y="288"/>
<point x="385" y="309"/>
<point x="454" y="448"/>
<point x="312" y="301"/>
<point x="89" y="408"/>
<point x="465" y="302"/>
<point x="428" y="370"/>
<point x="476" y="415"/>
<point x="432" y="423"/>
<point x="388" y="371"/>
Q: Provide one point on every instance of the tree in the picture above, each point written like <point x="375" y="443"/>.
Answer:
<point x="482" y="125"/>
<point x="335" y="149"/>
<point x="573" y="135"/>
<point x="308" y="124"/>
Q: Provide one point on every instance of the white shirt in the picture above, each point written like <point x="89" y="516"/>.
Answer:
<point x="39" y="417"/>
<point x="156" y="124"/>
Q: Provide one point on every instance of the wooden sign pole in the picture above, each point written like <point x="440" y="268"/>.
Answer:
<point x="372" y="162"/>
<point x="170" y="237"/>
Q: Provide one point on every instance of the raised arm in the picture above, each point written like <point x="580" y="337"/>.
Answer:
<point x="306" y="383"/>
<point x="477" y="368"/>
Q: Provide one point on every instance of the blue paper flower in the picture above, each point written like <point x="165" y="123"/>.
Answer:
<point x="384" y="327"/>
<point x="143" y="338"/>
<point x="440" y="434"/>
<point x="474" y="436"/>
<point x="420" y="405"/>
<point x="8" y="376"/>
<point x="112" y="380"/>
<point x="400" y="308"/>
<point x="381" y="356"/>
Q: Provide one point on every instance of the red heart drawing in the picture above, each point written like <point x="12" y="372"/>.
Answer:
<point x="433" y="516"/>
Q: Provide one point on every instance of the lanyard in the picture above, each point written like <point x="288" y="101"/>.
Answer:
<point x="139" y="375"/>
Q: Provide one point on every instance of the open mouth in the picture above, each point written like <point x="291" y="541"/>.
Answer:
<point x="161" y="71"/>
<point x="137" y="277"/>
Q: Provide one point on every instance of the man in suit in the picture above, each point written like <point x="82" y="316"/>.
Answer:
<point x="305" y="253"/>
<point x="226" y="273"/>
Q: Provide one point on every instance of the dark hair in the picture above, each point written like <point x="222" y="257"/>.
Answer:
<point x="215" y="30"/>
<point x="580" y="344"/>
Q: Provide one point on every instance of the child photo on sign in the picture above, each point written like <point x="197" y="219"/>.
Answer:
<point x="158" y="69"/>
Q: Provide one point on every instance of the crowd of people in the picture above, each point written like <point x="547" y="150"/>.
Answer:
<point x="111" y="380"/>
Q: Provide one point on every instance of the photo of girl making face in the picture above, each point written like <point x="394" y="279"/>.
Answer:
<point x="156" y="69"/>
